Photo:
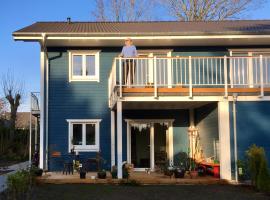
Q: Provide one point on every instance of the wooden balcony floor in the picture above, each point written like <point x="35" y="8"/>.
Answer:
<point x="184" y="91"/>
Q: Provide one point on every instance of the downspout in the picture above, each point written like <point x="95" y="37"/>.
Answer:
<point x="46" y="94"/>
<point x="235" y="136"/>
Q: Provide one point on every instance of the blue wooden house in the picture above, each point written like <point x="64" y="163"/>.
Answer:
<point x="197" y="88"/>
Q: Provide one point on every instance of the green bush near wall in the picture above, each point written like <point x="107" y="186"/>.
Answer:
<point x="19" y="184"/>
<point x="258" y="168"/>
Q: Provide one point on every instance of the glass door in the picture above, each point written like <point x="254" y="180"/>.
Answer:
<point x="140" y="145"/>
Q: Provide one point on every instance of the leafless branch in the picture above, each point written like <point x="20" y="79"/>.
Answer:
<point x="123" y="10"/>
<point x="210" y="10"/>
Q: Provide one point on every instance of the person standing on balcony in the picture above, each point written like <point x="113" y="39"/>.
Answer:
<point x="129" y="53"/>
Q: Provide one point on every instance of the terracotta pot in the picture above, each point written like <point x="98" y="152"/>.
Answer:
<point x="193" y="174"/>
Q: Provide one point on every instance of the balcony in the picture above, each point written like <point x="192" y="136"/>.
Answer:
<point x="189" y="76"/>
<point x="35" y="103"/>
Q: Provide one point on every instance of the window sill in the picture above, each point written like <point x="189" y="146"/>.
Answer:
<point x="84" y="80"/>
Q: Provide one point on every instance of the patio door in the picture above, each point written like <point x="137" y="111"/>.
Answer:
<point x="140" y="146"/>
<point x="149" y="144"/>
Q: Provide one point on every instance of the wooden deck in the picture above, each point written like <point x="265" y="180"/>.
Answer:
<point x="141" y="177"/>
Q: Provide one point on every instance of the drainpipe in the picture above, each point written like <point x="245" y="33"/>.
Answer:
<point x="46" y="94"/>
<point x="235" y="136"/>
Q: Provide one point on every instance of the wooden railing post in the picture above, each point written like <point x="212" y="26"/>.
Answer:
<point x="190" y="76"/>
<point x="261" y="75"/>
<point x="120" y="77"/>
<point x="155" y="76"/>
<point x="225" y="76"/>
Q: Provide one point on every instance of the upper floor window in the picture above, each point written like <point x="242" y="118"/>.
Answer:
<point x="84" y="65"/>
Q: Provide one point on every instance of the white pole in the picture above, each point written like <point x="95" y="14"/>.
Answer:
<point x="36" y="133"/>
<point x="119" y="140"/>
<point x="235" y="137"/>
<point x="112" y="138"/>
<point x="30" y="131"/>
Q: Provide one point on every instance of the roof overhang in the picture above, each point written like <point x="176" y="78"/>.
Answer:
<point x="85" y="40"/>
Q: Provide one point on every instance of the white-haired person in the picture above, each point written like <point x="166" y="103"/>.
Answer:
<point x="129" y="52"/>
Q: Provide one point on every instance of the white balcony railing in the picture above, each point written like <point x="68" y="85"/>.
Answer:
<point x="35" y="101"/>
<point x="191" y="72"/>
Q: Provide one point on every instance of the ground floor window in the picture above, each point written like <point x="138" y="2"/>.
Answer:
<point x="84" y="134"/>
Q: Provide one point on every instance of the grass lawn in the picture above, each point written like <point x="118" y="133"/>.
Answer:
<point x="163" y="192"/>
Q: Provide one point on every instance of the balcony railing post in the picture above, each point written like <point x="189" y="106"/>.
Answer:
<point x="190" y="76"/>
<point x="155" y="76"/>
<point x="120" y="76"/>
<point x="261" y="75"/>
<point x="225" y="76"/>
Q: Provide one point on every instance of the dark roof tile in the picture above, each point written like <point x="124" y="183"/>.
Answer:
<point x="135" y="28"/>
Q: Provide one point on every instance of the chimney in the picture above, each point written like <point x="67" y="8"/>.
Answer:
<point x="69" y="20"/>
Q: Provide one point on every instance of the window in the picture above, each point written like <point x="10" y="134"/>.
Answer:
<point x="84" y="134"/>
<point x="84" y="66"/>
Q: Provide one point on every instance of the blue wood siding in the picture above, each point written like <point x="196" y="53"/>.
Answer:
<point x="253" y="127"/>
<point x="77" y="100"/>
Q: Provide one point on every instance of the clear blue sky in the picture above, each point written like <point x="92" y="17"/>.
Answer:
<point x="23" y="58"/>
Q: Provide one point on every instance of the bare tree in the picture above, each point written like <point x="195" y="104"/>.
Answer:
<point x="3" y="107"/>
<point x="210" y="10"/>
<point x="99" y="12"/>
<point x="123" y="10"/>
<point x="13" y="90"/>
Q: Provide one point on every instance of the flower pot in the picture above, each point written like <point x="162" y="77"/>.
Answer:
<point x="39" y="172"/>
<point x="82" y="175"/>
<point x="114" y="174"/>
<point x="101" y="175"/>
<point x="201" y="171"/>
<point x="169" y="171"/>
<point x="193" y="174"/>
<point x="179" y="173"/>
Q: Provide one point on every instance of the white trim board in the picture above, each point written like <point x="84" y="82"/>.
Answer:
<point x="161" y="37"/>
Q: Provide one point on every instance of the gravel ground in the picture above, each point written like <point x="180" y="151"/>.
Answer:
<point x="163" y="192"/>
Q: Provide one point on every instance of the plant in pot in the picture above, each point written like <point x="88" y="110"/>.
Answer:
<point x="82" y="173"/>
<point x="169" y="170"/>
<point x="125" y="171"/>
<point x="179" y="172"/>
<point x="36" y="171"/>
<point x="114" y="172"/>
<point x="101" y="174"/>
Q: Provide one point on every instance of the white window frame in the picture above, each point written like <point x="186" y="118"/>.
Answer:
<point x="84" y="54"/>
<point x="84" y="147"/>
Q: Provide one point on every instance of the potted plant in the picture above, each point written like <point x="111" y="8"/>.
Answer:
<point x="179" y="172"/>
<point x="193" y="171"/>
<point x="101" y="174"/>
<point x="169" y="171"/>
<point x="114" y="172"/>
<point x="125" y="169"/>
<point x="82" y="173"/>
<point x="36" y="171"/>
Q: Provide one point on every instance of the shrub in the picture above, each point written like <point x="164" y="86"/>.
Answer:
<point x="129" y="182"/>
<point x="19" y="184"/>
<point x="257" y="165"/>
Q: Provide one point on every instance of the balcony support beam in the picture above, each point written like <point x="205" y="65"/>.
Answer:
<point x="112" y="138"/>
<point x="119" y="140"/>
